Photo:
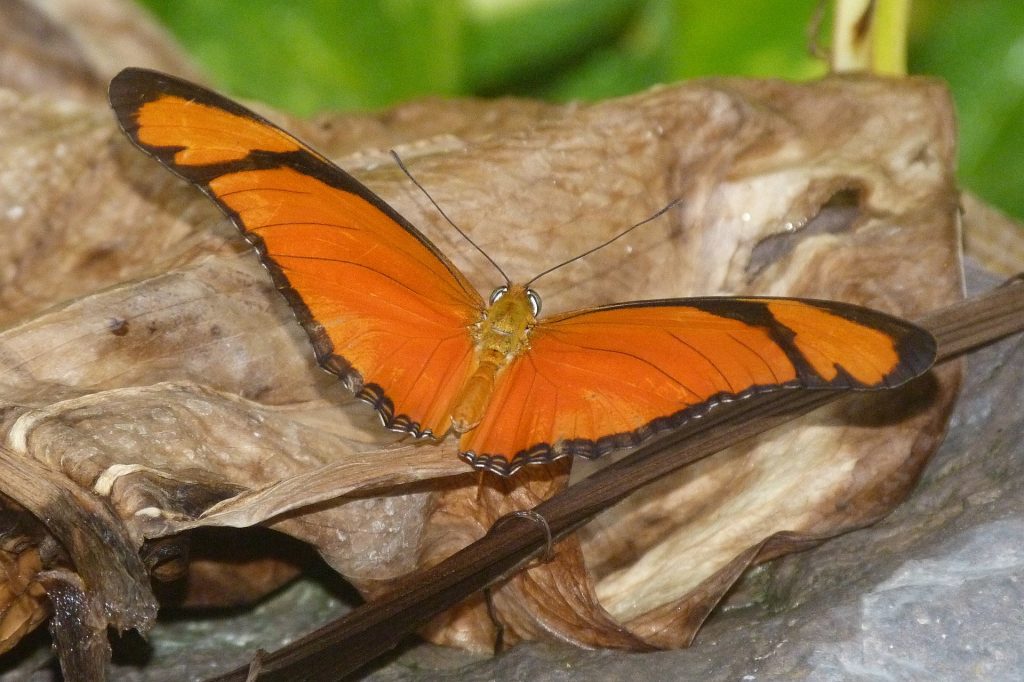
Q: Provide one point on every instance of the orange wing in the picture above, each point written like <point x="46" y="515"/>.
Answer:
<point x="386" y="311"/>
<point x="607" y="378"/>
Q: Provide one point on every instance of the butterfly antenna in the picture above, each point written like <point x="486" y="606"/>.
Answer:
<point x="444" y="215"/>
<point x="600" y="246"/>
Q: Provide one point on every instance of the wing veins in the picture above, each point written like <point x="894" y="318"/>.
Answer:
<point x="430" y="356"/>
<point x="284" y="190"/>
<point x="706" y="359"/>
<point x="419" y="374"/>
<point x="189" y="127"/>
<point x="643" y="361"/>
<point x="346" y="262"/>
<point x="377" y="244"/>
<point x="301" y="222"/>
<point x="775" y="377"/>
<point x="469" y="292"/>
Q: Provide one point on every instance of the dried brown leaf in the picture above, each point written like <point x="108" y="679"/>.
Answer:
<point x="72" y="48"/>
<point x="992" y="238"/>
<point x="148" y="365"/>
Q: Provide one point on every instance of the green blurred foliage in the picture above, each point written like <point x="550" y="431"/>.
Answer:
<point x="309" y="55"/>
<point x="978" y="47"/>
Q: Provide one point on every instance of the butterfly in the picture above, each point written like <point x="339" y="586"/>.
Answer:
<point x="403" y="328"/>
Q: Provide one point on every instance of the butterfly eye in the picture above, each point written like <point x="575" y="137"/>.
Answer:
<point x="534" y="299"/>
<point x="497" y="294"/>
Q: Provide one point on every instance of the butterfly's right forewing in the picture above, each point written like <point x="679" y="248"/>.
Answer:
<point x="384" y="308"/>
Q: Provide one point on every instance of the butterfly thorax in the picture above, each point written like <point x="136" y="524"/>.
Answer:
<point x="500" y="336"/>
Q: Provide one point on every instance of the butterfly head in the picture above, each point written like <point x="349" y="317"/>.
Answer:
<point x="511" y="312"/>
<point x="512" y="292"/>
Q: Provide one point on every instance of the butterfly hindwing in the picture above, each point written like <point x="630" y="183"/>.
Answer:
<point x="384" y="308"/>
<point x="611" y="377"/>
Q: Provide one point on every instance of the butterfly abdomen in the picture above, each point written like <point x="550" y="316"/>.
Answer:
<point x="476" y="393"/>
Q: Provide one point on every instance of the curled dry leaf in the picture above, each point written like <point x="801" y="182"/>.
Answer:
<point x="23" y="603"/>
<point x="148" y="368"/>
<point x="991" y="237"/>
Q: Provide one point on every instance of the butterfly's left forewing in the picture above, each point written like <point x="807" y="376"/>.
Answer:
<point x="384" y="308"/>
<point x="611" y="377"/>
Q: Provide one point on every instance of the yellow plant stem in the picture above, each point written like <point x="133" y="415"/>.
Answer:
<point x="870" y="36"/>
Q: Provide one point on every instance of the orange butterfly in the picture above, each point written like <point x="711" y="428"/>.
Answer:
<point x="404" y="329"/>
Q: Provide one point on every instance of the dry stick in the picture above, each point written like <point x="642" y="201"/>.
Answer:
<point x="345" y="645"/>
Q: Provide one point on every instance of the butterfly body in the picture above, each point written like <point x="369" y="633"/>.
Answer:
<point x="502" y="334"/>
<point x="401" y="326"/>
